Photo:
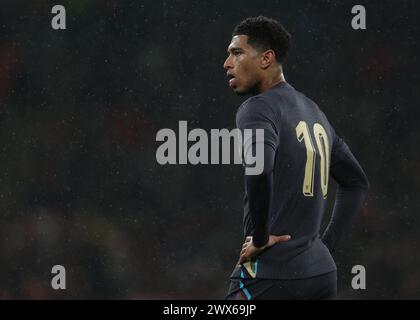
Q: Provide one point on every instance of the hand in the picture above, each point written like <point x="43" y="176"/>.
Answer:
<point x="249" y="250"/>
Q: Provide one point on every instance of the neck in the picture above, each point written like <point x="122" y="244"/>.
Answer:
<point x="269" y="82"/>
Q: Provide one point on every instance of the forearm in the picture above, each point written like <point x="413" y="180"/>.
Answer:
<point x="259" y="193"/>
<point x="259" y="189"/>
<point x="353" y="185"/>
<point x="348" y="202"/>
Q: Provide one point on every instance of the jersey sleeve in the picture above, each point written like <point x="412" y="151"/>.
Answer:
<point x="345" y="169"/>
<point x="352" y="189"/>
<point x="256" y="114"/>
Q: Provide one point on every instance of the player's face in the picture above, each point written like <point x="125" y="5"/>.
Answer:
<point x="242" y="66"/>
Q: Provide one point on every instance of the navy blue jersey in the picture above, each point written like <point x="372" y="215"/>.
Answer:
<point x="306" y="152"/>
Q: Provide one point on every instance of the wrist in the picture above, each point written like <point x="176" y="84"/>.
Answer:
<point x="261" y="245"/>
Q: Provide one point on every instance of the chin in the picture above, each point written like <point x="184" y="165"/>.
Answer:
<point x="240" y="92"/>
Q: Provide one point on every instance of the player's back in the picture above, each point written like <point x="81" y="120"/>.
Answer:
<point x="300" y="184"/>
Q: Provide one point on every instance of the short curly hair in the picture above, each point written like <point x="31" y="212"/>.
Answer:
<point x="264" y="34"/>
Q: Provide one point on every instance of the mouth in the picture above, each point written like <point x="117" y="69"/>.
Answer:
<point x="231" y="79"/>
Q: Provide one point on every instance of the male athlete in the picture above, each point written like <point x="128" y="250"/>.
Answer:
<point x="283" y="256"/>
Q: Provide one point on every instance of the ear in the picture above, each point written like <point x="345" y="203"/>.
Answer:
<point x="267" y="58"/>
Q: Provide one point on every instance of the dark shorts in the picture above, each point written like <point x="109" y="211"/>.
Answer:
<point x="321" y="287"/>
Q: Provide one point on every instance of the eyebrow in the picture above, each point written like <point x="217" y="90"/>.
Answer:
<point x="234" y="49"/>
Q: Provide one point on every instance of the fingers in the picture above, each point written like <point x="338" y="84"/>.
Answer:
<point x="278" y="239"/>
<point x="284" y="238"/>
<point x="245" y="255"/>
<point x="246" y="243"/>
<point x="243" y="258"/>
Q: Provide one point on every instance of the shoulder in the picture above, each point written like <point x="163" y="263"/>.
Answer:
<point x="257" y="112"/>
<point x="256" y="106"/>
<point x="255" y="102"/>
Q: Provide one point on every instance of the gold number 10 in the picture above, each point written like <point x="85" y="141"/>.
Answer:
<point x="321" y="138"/>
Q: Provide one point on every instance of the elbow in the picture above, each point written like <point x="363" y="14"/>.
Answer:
<point x="365" y="183"/>
<point x="360" y="184"/>
<point x="363" y="186"/>
<point x="361" y="181"/>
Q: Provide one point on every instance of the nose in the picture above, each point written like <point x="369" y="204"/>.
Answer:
<point x="228" y="63"/>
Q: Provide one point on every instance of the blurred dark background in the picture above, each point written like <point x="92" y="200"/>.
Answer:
<point x="79" y="113"/>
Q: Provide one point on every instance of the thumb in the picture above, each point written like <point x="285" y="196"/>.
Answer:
<point x="279" y="239"/>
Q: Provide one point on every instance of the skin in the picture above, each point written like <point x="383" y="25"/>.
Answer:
<point x="254" y="71"/>
<point x="249" y="250"/>
<point x="251" y="71"/>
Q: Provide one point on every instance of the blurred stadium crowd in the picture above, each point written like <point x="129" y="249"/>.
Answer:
<point x="80" y="108"/>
